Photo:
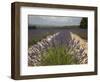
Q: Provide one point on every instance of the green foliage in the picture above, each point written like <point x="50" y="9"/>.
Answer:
<point x="35" y="39"/>
<point x="84" y="23"/>
<point x="58" y="56"/>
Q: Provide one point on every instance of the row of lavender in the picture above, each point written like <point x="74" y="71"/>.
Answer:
<point x="57" y="39"/>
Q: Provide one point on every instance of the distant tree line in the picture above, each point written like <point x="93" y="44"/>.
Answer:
<point x="32" y="27"/>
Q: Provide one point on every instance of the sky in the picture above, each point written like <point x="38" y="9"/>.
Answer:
<point x="53" y="20"/>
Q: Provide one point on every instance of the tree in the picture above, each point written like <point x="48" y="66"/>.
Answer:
<point x="84" y="23"/>
<point x="32" y="27"/>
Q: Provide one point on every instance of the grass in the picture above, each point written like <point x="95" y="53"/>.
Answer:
<point x="58" y="56"/>
<point x="36" y="39"/>
<point x="33" y="41"/>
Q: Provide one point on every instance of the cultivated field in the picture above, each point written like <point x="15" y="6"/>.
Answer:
<point x="57" y="46"/>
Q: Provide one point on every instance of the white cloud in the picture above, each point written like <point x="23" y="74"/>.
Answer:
<point x="53" y="20"/>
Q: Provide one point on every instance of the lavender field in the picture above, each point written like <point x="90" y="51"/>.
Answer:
<point x="68" y="45"/>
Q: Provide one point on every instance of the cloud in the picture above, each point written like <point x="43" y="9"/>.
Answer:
<point x="53" y="20"/>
